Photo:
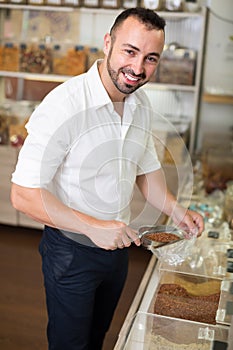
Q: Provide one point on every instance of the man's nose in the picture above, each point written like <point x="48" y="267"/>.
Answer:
<point x="138" y="66"/>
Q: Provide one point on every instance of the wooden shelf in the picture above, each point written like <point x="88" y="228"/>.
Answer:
<point x="221" y="99"/>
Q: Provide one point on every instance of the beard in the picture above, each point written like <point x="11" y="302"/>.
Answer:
<point x="121" y="86"/>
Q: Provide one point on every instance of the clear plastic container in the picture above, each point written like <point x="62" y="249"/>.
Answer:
<point x="225" y="310"/>
<point x="153" y="4"/>
<point x="177" y="66"/>
<point x="54" y="2"/>
<point x="35" y="58"/>
<point x="173" y="5"/>
<point x="59" y="60"/>
<point x="149" y="331"/>
<point x="72" y="3"/>
<point x="110" y="4"/>
<point x="130" y="3"/>
<point x="189" y="297"/>
<point x="36" y="2"/>
<point x="10" y="57"/>
<point x="91" y="3"/>
<point x="217" y="168"/>
<point x="76" y="60"/>
<point x="19" y="2"/>
<point x="93" y="54"/>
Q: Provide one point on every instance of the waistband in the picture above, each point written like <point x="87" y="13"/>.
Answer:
<point x="76" y="237"/>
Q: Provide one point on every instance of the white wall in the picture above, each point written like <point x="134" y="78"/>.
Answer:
<point x="218" y="69"/>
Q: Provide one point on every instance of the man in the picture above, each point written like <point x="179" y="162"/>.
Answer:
<point x="88" y="142"/>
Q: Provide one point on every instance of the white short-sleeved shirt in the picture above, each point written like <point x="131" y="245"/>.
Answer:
<point x="80" y="149"/>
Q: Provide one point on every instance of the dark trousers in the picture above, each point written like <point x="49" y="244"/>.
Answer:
<point x="83" y="285"/>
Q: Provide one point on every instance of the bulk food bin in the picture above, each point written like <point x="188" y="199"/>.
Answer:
<point x="185" y="296"/>
<point x="155" y="332"/>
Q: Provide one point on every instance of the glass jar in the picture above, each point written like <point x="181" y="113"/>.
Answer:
<point x="59" y="60"/>
<point x="130" y="3"/>
<point x="10" y="57"/>
<point x="36" y="2"/>
<point x="153" y="4"/>
<point x="91" y="3"/>
<point x="93" y="54"/>
<point x="35" y="58"/>
<point x="173" y="5"/>
<point x="54" y="2"/>
<point x="110" y="4"/>
<point x="72" y="3"/>
<point x="76" y="60"/>
<point x="217" y="169"/>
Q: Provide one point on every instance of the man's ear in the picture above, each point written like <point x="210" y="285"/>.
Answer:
<point x="107" y="43"/>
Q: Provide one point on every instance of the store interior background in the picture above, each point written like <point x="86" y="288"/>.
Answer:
<point x="218" y="70"/>
<point x="214" y="119"/>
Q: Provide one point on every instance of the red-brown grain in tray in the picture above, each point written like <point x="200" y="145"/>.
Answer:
<point x="163" y="237"/>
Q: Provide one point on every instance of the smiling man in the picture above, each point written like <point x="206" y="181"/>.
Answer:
<point x="88" y="143"/>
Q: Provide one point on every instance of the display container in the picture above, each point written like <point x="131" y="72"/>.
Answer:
<point x="130" y="3"/>
<point x="185" y="296"/>
<point x="72" y="3"/>
<point x="173" y="5"/>
<point x="153" y="4"/>
<point x="53" y="2"/>
<point x="176" y="66"/>
<point x="149" y="331"/>
<point x="93" y="54"/>
<point x="91" y="3"/>
<point x="225" y="309"/>
<point x="36" y="2"/>
<point x="59" y="60"/>
<point x="19" y="2"/>
<point x="110" y="4"/>
<point x="76" y="60"/>
<point x="9" y="60"/>
<point x="35" y="58"/>
<point x="217" y="168"/>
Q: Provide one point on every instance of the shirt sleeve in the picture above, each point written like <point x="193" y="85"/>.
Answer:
<point x="44" y="148"/>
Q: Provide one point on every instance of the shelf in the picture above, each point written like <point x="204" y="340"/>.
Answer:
<point x="37" y="7"/>
<point x="160" y="86"/>
<point x="165" y="14"/>
<point x="62" y="78"/>
<point x="221" y="99"/>
<point x="36" y="77"/>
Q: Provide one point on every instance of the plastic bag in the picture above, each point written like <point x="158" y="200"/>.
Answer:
<point x="176" y="253"/>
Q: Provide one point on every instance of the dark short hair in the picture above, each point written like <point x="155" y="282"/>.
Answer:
<point x="146" y="16"/>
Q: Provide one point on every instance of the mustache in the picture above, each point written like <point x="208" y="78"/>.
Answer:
<point x="131" y="72"/>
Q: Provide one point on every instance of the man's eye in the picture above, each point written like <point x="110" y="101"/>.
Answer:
<point x="130" y="52"/>
<point x="152" y="59"/>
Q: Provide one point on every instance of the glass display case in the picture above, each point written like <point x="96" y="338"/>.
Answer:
<point x="156" y="332"/>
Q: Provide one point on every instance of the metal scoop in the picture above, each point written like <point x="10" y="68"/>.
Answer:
<point x="153" y="237"/>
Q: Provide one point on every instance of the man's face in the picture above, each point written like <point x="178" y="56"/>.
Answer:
<point x="133" y="56"/>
